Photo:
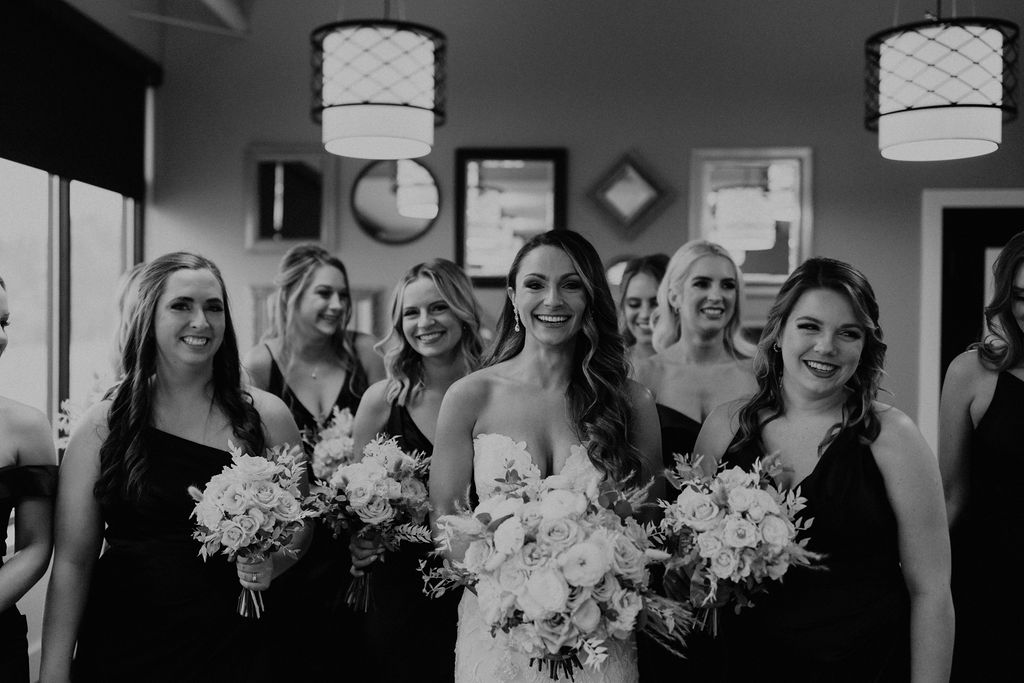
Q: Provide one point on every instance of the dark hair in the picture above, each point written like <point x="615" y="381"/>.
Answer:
<point x="858" y="412"/>
<point x="404" y="364"/>
<point x="293" y="276"/>
<point x="3" y="284"/>
<point x="123" y="459"/>
<point x="1003" y="347"/>
<point x="597" y="408"/>
<point x="654" y="266"/>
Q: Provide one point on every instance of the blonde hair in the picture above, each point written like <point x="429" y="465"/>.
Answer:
<point x="668" y="326"/>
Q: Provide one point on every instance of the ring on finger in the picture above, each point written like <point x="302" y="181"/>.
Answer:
<point x="253" y="577"/>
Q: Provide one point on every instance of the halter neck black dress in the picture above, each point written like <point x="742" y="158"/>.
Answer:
<point x="310" y="597"/>
<point x="422" y="628"/>
<point x="703" y="653"/>
<point x="16" y="483"/>
<point x="988" y="628"/>
<point x="156" y="612"/>
<point x="851" y="621"/>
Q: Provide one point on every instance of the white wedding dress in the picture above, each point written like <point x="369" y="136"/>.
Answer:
<point x="480" y="658"/>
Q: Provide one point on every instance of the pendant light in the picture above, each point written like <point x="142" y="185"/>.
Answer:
<point x="941" y="88"/>
<point x="378" y="87"/>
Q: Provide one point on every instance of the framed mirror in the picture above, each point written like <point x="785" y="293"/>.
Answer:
<point x="503" y="198"/>
<point x="290" y="197"/>
<point x="630" y="194"/>
<point x="757" y="204"/>
<point x="395" y="202"/>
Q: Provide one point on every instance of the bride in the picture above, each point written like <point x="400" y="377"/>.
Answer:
<point x="555" y="380"/>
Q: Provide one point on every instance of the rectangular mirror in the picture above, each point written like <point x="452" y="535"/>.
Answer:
<point x="503" y="198"/>
<point x="291" y="196"/>
<point x="757" y="204"/>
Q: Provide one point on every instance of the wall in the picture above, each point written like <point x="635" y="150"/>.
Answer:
<point x="599" y="77"/>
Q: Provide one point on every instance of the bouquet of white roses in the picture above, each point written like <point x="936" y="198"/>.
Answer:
<point x="252" y="508"/>
<point x="555" y="569"/>
<point x="382" y="497"/>
<point x="729" y="534"/>
<point x="332" y="445"/>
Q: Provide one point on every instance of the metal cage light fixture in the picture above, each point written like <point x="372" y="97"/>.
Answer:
<point x="941" y="88"/>
<point x="378" y="87"/>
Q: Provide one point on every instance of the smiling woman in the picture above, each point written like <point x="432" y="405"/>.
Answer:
<point x="871" y="484"/>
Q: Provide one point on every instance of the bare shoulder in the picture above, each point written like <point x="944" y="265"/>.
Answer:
<point x="638" y="393"/>
<point x="18" y="418"/>
<point x="267" y="404"/>
<point x="257" y="364"/>
<point x="277" y="419"/>
<point x="648" y="370"/>
<point x="28" y="431"/>
<point x="726" y="417"/>
<point x="967" y="372"/>
<point x="374" y="401"/>
<point x="899" y="439"/>
<point x="363" y="342"/>
<point x="473" y="388"/>
<point x="90" y="432"/>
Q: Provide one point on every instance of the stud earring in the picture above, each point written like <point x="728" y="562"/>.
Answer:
<point x="515" y="314"/>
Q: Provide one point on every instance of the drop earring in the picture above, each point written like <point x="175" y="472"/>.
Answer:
<point x="515" y="314"/>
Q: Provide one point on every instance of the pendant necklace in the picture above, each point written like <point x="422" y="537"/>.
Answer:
<point x="313" y="372"/>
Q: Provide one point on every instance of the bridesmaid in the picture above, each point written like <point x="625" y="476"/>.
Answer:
<point x="28" y="480"/>
<point x="150" y="608"/>
<point x="981" y="441"/>
<point x="702" y="359"/>
<point x="701" y="362"/>
<point x="881" y="609"/>
<point x="434" y="340"/>
<point x="638" y="302"/>
<point x="310" y="360"/>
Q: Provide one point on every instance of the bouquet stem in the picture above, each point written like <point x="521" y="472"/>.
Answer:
<point x="708" y="620"/>
<point x="250" y="604"/>
<point x="565" y="664"/>
<point x="360" y="593"/>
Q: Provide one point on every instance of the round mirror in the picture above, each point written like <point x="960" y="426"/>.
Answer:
<point x="395" y="201"/>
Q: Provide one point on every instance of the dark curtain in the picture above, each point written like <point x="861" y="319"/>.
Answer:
<point x="72" y="96"/>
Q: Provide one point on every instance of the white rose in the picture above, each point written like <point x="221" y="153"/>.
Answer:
<point x="377" y="511"/>
<point x="558" y="534"/>
<point x="252" y="467"/>
<point x="604" y="589"/>
<point x="548" y="588"/>
<point x="587" y="616"/>
<point x="534" y="555"/>
<point x="560" y="503"/>
<point x="557" y="631"/>
<point x="709" y="543"/>
<point x="627" y="605"/>
<point x="360" y="493"/>
<point x="508" y="538"/>
<point x="207" y="514"/>
<point x="512" y="577"/>
<point x="776" y="532"/>
<point x="697" y="510"/>
<point x="729" y="479"/>
<point x="740" y="499"/>
<point x="762" y="504"/>
<point x="288" y="507"/>
<point x="740" y="533"/>
<point x="235" y="499"/>
<point x="584" y="564"/>
<point x="477" y="555"/>
<point x="724" y="563"/>
<point x="499" y="506"/>
<point x="628" y="560"/>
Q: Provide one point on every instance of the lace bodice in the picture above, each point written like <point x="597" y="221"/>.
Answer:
<point x="481" y="658"/>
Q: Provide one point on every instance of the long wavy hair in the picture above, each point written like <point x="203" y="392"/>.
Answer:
<point x="126" y="297"/>
<point x="597" y="407"/>
<point x="404" y="365"/>
<point x="668" y="328"/>
<point x="294" y="275"/>
<point x="862" y="387"/>
<point x="1002" y="347"/>
<point x="654" y="267"/>
<point x="123" y="459"/>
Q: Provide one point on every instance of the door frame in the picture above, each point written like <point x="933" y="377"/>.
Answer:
<point x="929" y="372"/>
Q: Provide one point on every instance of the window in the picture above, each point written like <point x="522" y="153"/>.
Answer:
<point x="63" y="245"/>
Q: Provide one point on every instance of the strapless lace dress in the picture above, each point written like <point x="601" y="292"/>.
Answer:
<point x="481" y="658"/>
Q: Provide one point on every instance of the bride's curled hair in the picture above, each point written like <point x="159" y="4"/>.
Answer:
<point x="596" y="394"/>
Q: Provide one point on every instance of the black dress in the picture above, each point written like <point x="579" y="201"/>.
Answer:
<point x="156" y="611"/>
<point x="309" y="598"/>
<point x="849" y="622"/>
<point x="988" y="631"/>
<point x="703" y="653"/>
<point x="18" y="482"/>
<point x="423" y="629"/>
